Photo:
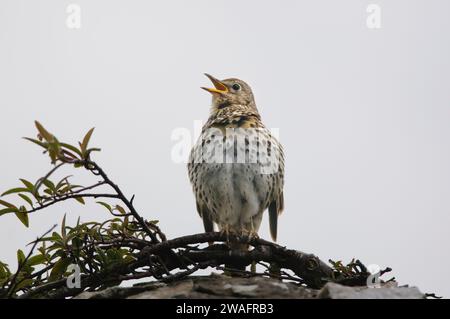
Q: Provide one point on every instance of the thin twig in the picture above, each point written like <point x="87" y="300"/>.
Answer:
<point x="98" y="170"/>
<point x="73" y="195"/>
<point x="41" y="180"/>
<point x="12" y="284"/>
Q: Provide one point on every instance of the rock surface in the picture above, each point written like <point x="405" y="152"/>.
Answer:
<point x="335" y="291"/>
<point x="221" y="286"/>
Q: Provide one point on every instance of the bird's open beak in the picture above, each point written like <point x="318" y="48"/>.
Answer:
<point x="219" y="87"/>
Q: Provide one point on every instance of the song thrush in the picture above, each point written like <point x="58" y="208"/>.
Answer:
<point x="236" y="167"/>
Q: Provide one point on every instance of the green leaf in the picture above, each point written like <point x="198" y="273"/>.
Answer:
<point x="120" y="209"/>
<point x="59" y="268"/>
<point x="80" y="200"/>
<point x="68" y="188"/>
<point x="42" y="144"/>
<point x="23" y="216"/>
<point x="28" y="184"/>
<point x="125" y="224"/>
<point x="85" y="142"/>
<point x="101" y="256"/>
<point x="27" y="199"/>
<point x="43" y="132"/>
<point x="4" y="271"/>
<point x="7" y="211"/>
<point x="20" y="257"/>
<point x="106" y="205"/>
<point x="24" y="283"/>
<point x="63" y="227"/>
<point x="56" y="236"/>
<point x="54" y="150"/>
<point x="50" y="185"/>
<point x="15" y="190"/>
<point x="64" y="181"/>
<point x="36" y="260"/>
<point x="71" y="147"/>
<point x="9" y="205"/>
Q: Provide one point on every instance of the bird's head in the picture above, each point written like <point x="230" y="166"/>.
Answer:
<point x="229" y="92"/>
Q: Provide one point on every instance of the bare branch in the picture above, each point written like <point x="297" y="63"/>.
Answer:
<point x="99" y="171"/>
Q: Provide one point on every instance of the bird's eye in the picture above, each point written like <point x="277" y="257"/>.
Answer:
<point x="236" y="87"/>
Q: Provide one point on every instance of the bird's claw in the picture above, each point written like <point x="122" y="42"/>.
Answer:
<point x="225" y="231"/>
<point x="253" y="235"/>
<point x="249" y="234"/>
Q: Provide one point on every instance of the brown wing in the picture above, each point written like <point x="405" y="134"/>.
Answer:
<point x="207" y="222"/>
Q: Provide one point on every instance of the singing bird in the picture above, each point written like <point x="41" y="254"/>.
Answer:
<point x="236" y="168"/>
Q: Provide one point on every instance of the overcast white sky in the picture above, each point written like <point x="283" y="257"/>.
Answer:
<point x="363" y="114"/>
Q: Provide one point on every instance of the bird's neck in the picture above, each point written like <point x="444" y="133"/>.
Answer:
<point x="235" y="115"/>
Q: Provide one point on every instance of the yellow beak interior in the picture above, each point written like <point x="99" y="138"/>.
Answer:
<point x="219" y="87"/>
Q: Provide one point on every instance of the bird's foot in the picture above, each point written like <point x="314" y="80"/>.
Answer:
<point x="249" y="234"/>
<point x="253" y="235"/>
<point x="225" y="231"/>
